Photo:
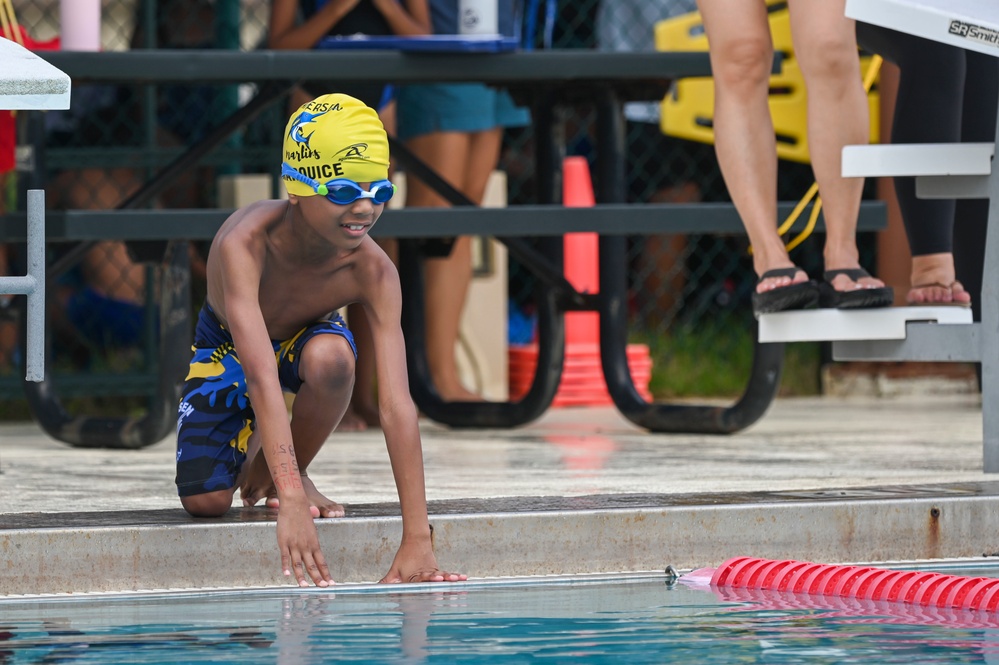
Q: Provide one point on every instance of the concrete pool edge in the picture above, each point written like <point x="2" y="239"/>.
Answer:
<point x="560" y="536"/>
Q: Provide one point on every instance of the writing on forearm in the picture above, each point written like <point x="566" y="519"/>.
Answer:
<point x="289" y="482"/>
<point x="285" y="471"/>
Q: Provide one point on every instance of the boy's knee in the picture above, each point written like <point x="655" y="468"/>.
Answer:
<point x="210" y="504"/>
<point x="328" y="362"/>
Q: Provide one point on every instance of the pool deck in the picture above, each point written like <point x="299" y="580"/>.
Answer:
<point x="578" y="491"/>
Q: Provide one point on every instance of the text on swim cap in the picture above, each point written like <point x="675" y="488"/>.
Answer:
<point x="321" y="171"/>
<point x="322" y="107"/>
<point x="350" y="153"/>
<point x="304" y="152"/>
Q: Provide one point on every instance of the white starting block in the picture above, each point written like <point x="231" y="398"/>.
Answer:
<point x="942" y="170"/>
<point x="961" y="170"/>
<point x="27" y="82"/>
<point x="927" y="334"/>
<point x="917" y="159"/>
<point x="836" y="325"/>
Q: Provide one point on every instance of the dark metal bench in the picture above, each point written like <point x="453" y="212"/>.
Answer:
<point x="547" y="79"/>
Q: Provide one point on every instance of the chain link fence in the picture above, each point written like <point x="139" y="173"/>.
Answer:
<point x="688" y="293"/>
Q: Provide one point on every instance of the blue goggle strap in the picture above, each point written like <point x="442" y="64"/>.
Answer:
<point x="289" y="172"/>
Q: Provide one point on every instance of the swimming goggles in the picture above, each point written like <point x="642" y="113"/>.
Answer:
<point x="341" y="190"/>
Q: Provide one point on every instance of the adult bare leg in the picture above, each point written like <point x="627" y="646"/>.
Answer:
<point x="826" y="47"/>
<point x="741" y="52"/>
<point x="464" y="160"/>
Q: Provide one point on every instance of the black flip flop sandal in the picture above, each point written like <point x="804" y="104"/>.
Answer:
<point x="793" y="296"/>
<point x="883" y="296"/>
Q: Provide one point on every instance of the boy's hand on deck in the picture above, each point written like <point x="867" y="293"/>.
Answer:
<point x="415" y="562"/>
<point x="298" y="543"/>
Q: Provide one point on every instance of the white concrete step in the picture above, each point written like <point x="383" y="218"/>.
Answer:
<point x="917" y="159"/>
<point x="830" y="325"/>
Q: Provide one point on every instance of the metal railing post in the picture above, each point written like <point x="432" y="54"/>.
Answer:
<point x="35" y="356"/>
<point x="32" y="285"/>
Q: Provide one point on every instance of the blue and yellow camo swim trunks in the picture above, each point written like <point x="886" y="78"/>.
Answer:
<point x="215" y="418"/>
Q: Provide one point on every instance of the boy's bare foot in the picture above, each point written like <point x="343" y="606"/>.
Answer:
<point x="351" y="422"/>
<point x="319" y="505"/>
<point x="255" y="484"/>
<point x="359" y="417"/>
<point x="367" y="412"/>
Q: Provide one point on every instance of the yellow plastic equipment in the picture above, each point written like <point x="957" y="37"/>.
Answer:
<point x="688" y="111"/>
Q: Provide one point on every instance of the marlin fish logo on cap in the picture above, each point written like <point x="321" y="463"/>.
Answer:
<point x="335" y="136"/>
<point x="297" y="132"/>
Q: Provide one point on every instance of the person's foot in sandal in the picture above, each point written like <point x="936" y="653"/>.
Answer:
<point x="783" y="289"/>
<point x="853" y="288"/>
<point x="934" y="283"/>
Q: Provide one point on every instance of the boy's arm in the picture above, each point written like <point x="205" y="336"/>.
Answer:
<point x="242" y="265"/>
<point x="415" y="560"/>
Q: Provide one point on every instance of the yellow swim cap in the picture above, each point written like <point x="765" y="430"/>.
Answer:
<point x="335" y="136"/>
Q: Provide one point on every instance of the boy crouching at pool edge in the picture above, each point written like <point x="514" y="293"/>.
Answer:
<point x="278" y="271"/>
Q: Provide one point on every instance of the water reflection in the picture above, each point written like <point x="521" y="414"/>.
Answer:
<point x="593" y="622"/>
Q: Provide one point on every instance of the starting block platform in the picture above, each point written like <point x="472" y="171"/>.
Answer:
<point x="834" y="325"/>
<point x="963" y="170"/>
<point x="29" y="83"/>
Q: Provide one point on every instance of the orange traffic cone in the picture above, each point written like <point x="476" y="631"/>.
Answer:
<point x="582" y="374"/>
<point x="581" y="257"/>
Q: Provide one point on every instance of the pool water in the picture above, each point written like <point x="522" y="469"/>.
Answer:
<point x="637" y="618"/>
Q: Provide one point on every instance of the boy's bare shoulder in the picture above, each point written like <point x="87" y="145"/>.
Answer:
<point x="257" y="216"/>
